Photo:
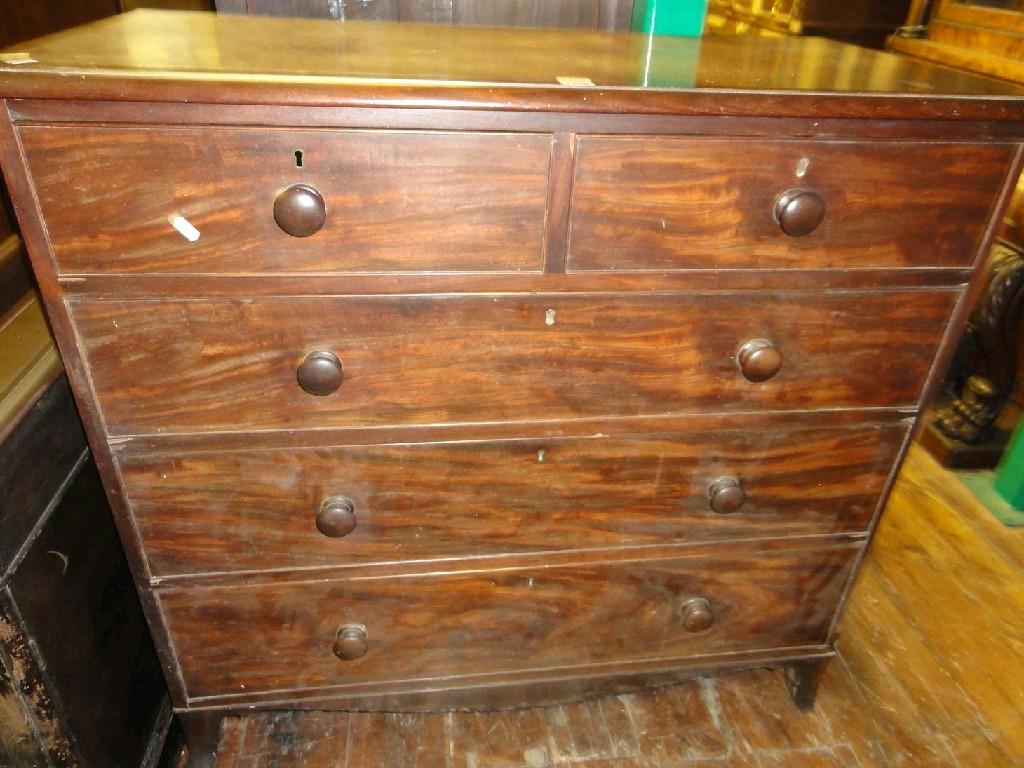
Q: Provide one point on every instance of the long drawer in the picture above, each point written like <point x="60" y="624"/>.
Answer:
<point x="274" y="637"/>
<point x="675" y="203"/>
<point x="221" y="364"/>
<point x="295" y="508"/>
<point x="394" y="201"/>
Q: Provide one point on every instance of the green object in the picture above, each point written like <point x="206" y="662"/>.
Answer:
<point x="980" y="485"/>
<point x="682" y="18"/>
<point x="1009" y="481"/>
<point x="673" y="29"/>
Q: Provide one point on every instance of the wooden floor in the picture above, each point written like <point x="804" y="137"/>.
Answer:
<point x="930" y="672"/>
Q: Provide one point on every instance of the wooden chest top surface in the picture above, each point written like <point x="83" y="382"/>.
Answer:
<point x="155" y="54"/>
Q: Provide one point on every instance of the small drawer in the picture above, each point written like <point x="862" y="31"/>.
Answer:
<point x="388" y="201"/>
<point x="674" y="203"/>
<point x="287" y="363"/>
<point x="341" y="506"/>
<point x="254" y="638"/>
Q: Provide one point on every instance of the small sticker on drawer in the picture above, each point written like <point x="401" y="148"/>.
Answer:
<point x="19" y="57"/>
<point x="184" y="227"/>
<point x="567" y="80"/>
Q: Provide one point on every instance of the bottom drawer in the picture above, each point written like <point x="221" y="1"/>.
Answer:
<point x="276" y="637"/>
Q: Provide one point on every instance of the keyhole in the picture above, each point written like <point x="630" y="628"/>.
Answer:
<point x="298" y="158"/>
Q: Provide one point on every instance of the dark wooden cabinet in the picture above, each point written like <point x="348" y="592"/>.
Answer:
<point x="80" y="683"/>
<point x="984" y="36"/>
<point x="420" y="379"/>
<point x="864" y="22"/>
<point x="24" y="21"/>
<point x="15" y="273"/>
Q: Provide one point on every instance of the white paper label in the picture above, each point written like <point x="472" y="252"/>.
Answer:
<point x="566" y="80"/>
<point x="184" y="227"/>
<point x="21" y="57"/>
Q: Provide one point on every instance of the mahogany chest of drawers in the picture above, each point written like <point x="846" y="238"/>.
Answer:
<point x="435" y="367"/>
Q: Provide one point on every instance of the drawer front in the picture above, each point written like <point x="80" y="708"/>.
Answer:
<point x="257" y="510"/>
<point x="232" y="364"/>
<point x="254" y="638"/>
<point x="394" y="201"/>
<point x="666" y="203"/>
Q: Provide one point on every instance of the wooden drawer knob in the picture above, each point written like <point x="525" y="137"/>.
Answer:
<point x="350" y="642"/>
<point x="697" y="615"/>
<point x="758" y="359"/>
<point x="726" y="495"/>
<point x="320" y="373"/>
<point x="798" y="212"/>
<point x="300" y="210"/>
<point x="337" y="517"/>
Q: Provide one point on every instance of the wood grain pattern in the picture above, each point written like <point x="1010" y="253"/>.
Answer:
<point x="263" y="638"/>
<point x="255" y="510"/>
<point x="734" y="721"/>
<point x="1006" y="17"/>
<point x="395" y="201"/>
<point x="995" y="43"/>
<point x="925" y="631"/>
<point x="669" y="203"/>
<point x="222" y="365"/>
<point x="556" y="221"/>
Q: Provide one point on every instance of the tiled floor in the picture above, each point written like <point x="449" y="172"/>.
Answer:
<point x="930" y="673"/>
